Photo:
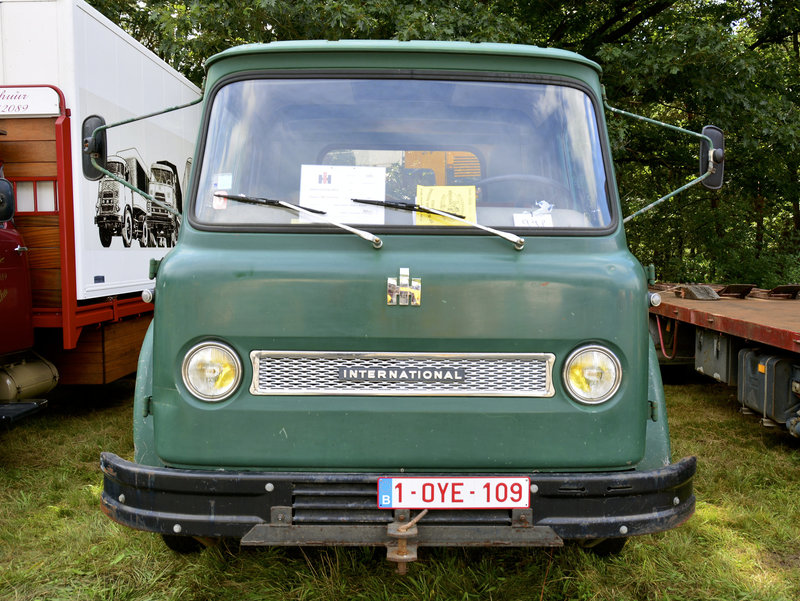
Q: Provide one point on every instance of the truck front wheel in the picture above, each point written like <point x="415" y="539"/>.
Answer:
<point x="182" y="544"/>
<point x="605" y="547"/>
<point x="105" y="237"/>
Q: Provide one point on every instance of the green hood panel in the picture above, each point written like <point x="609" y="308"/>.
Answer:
<point x="327" y="292"/>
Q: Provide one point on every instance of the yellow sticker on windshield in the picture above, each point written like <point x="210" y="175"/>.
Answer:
<point x="459" y="200"/>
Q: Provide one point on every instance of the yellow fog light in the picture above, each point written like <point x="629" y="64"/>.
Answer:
<point x="592" y="374"/>
<point x="211" y="371"/>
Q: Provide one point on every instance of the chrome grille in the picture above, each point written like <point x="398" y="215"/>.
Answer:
<point x="419" y="374"/>
<point x="155" y="208"/>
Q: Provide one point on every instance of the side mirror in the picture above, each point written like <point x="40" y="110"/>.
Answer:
<point x="93" y="146"/>
<point x="713" y="181"/>
<point x="6" y="200"/>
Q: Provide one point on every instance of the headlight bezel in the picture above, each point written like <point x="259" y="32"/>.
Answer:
<point x="194" y="352"/>
<point x="576" y="393"/>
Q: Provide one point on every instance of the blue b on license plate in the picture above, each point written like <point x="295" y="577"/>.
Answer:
<point x="450" y="492"/>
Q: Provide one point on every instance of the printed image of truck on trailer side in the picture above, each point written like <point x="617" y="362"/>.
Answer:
<point x="124" y="212"/>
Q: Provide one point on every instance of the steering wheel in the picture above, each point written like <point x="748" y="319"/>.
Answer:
<point x="524" y="177"/>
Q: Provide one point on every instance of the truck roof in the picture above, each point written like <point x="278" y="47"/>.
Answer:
<point x="504" y="54"/>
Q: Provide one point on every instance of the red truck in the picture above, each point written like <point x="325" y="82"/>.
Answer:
<point x="22" y="375"/>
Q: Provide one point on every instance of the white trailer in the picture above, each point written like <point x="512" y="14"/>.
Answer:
<point x="60" y="62"/>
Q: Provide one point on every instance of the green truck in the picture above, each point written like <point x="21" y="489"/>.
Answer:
<point x="401" y="312"/>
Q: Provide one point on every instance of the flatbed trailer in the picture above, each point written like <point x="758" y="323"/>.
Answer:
<point x="739" y="335"/>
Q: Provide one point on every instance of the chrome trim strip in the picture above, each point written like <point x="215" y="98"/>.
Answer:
<point x="282" y="373"/>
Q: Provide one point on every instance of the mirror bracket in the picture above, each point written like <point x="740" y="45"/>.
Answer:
<point x="712" y="156"/>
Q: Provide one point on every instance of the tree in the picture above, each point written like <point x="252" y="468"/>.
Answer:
<point x="701" y="62"/>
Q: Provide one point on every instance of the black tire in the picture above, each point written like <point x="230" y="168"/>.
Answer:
<point x="144" y="240"/>
<point x="182" y="544"/>
<point x="105" y="237"/>
<point x="606" y="547"/>
<point x="127" y="228"/>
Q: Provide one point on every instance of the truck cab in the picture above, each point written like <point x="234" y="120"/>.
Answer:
<point x="401" y="312"/>
<point x="161" y="225"/>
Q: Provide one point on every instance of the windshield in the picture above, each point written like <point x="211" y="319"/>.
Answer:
<point x="116" y="167"/>
<point x="162" y="176"/>
<point x="504" y="154"/>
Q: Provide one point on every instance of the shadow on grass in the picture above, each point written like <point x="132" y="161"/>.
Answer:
<point x="683" y="375"/>
<point x="78" y="400"/>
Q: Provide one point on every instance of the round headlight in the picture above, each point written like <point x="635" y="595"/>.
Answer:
<point x="211" y="371"/>
<point x="592" y="374"/>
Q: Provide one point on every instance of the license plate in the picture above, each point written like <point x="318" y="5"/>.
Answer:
<point x="454" y="492"/>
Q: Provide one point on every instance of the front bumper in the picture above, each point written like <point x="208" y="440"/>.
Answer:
<point x="108" y="221"/>
<point x="160" y="221"/>
<point x="315" y="508"/>
<point x="11" y="413"/>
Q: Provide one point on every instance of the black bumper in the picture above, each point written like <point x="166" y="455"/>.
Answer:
<point x="160" y="221"/>
<point x="112" y="221"/>
<point x="313" y="508"/>
<point x="11" y="413"/>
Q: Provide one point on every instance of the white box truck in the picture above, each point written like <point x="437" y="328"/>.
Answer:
<point x="60" y="62"/>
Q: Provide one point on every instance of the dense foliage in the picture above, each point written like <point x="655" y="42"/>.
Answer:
<point x="689" y="62"/>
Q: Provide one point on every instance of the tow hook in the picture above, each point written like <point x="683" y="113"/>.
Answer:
<point x="404" y="551"/>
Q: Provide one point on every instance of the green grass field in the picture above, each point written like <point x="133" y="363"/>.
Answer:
<point x="743" y="542"/>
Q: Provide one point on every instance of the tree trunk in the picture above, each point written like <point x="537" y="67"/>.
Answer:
<point x="759" y="207"/>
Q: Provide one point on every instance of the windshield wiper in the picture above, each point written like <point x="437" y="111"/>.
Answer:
<point x="316" y="213"/>
<point x="257" y="200"/>
<point x="406" y="206"/>
<point x="518" y="242"/>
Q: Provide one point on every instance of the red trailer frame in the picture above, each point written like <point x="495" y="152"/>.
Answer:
<point x="771" y="321"/>
<point x="71" y="317"/>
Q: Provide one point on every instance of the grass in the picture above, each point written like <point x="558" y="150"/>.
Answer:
<point x="743" y="542"/>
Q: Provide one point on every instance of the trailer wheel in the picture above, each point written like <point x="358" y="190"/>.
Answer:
<point x="144" y="240"/>
<point x="127" y="228"/>
<point x="105" y="237"/>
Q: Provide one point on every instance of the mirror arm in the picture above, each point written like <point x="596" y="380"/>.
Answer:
<point x="147" y="116"/>
<point x="655" y="203"/>
<point x="661" y="123"/>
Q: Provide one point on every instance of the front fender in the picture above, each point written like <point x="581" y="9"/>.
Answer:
<point x="657" y="452"/>
<point x="143" y="437"/>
